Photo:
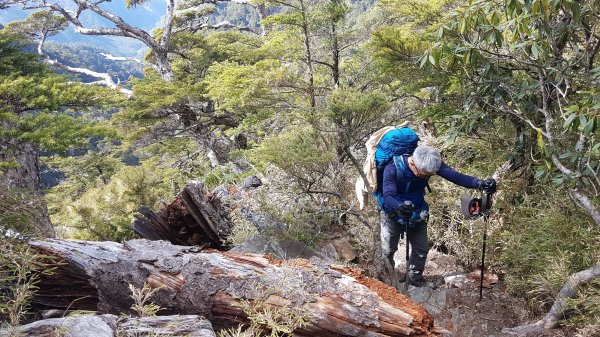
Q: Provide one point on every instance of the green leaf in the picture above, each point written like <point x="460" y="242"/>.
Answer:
<point x="535" y="51"/>
<point x="462" y="26"/>
<point x="431" y="59"/>
<point x="540" y="140"/>
<point x="589" y="126"/>
<point x="423" y="61"/>
<point x="499" y="37"/>
<point x="440" y="33"/>
<point x="576" y="12"/>
<point x="569" y="120"/>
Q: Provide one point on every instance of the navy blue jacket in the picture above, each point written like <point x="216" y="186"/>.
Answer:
<point x="410" y="187"/>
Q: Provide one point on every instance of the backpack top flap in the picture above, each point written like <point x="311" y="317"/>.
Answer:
<point x="396" y="142"/>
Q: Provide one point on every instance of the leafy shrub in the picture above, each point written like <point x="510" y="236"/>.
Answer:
<point x="105" y="212"/>
<point x="546" y="239"/>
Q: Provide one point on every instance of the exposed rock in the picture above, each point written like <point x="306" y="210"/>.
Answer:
<point x="283" y="249"/>
<point x="433" y="300"/>
<point x="344" y="249"/>
<point x="251" y="182"/>
<point x="457" y="280"/>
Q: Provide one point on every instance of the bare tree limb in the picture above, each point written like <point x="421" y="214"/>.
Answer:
<point x="585" y="202"/>
<point x="552" y="319"/>
<point x="220" y="25"/>
<point x="167" y="30"/>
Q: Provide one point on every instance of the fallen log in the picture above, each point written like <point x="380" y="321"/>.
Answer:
<point x="333" y="300"/>
<point x="195" y="217"/>
<point x="111" y="325"/>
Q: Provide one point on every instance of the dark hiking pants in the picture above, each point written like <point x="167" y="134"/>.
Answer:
<point x="390" y="236"/>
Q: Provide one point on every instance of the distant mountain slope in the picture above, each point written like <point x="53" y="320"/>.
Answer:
<point x="86" y="56"/>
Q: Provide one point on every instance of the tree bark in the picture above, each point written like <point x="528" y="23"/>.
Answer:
<point x="335" y="300"/>
<point x="195" y="217"/>
<point x="27" y="176"/>
<point x="309" y="56"/>
<point x="111" y="325"/>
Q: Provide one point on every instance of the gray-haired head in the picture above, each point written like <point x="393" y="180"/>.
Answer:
<point x="427" y="159"/>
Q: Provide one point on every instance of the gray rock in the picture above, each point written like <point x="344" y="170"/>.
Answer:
<point x="457" y="280"/>
<point x="280" y="248"/>
<point x="251" y="182"/>
<point x="433" y="300"/>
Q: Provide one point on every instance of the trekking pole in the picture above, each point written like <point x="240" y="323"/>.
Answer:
<point x="407" y="219"/>
<point x="486" y="216"/>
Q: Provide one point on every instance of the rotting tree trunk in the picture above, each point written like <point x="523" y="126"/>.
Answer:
<point x="26" y="176"/>
<point x="335" y="300"/>
<point x="112" y="325"/>
<point x="195" y="217"/>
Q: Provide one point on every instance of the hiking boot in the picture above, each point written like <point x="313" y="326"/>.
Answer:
<point x="415" y="278"/>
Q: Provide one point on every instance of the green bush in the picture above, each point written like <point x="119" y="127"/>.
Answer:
<point x="106" y="211"/>
<point x="546" y="239"/>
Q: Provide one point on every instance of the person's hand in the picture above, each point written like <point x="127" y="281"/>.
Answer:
<point x="406" y="208"/>
<point x="488" y="186"/>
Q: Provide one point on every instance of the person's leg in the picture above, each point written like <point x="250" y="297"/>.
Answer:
<point x="390" y="236"/>
<point x="419" y="245"/>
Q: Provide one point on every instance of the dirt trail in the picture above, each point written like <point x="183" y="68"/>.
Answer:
<point x="457" y="308"/>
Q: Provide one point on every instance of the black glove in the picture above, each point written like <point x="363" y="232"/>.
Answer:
<point x="406" y="208"/>
<point x="488" y="186"/>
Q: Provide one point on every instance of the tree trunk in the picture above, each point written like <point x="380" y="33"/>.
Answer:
<point x="335" y="55"/>
<point x="332" y="300"/>
<point x="309" y="56"/>
<point x="27" y="176"/>
<point x="111" y="325"/>
<point x="195" y="217"/>
<point x="163" y="66"/>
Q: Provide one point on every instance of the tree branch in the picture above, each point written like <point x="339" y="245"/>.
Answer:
<point x="220" y="25"/>
<point x="584" y="202"/>
<point x="167" y="30"/>
<point x="123" y="28"/>
<point x="556" y="313"/>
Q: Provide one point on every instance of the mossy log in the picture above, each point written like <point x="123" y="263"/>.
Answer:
<point x="195" y="217"/>
<point x="111" y="325"/>
<point x="332" y="300"/>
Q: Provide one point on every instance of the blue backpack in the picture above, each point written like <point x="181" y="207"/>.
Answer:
<point x="396" y="142"/>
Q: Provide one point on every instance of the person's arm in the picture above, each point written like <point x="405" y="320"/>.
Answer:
<point x="458" y="178"/>
<point x="390" y="203"/>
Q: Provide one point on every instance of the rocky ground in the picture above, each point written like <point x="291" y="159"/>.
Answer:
<point x="452" y="297"/>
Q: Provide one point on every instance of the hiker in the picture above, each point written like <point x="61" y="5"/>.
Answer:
<point x="405" y="178"/>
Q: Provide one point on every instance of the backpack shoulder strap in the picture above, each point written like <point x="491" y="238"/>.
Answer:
<point x="401" y="172"/>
